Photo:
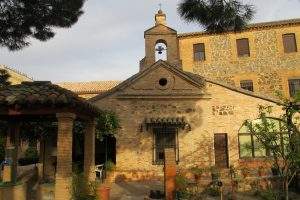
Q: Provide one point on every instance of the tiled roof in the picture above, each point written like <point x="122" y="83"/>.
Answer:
<point x="15" y="71"/>
<point x="251" y="26"/>
<point x="89" y="87"/>
<point x="42" y="94"/>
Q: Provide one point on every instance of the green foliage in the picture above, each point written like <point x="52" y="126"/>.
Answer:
<point x="197" y="171"/>
<point x="24" y="19"/>
<point x="283" y="149"/>
<point x="82" y="189"/>
<point x="181" y="182"/>
<point x="212" y="191"/>
<point x="31" y="152"/>
<point x="4" y="76"/>
<point x="217" y="16"/>
<point x="109" y="166"/>
<point x="107" y="124"/>
<point x="268" y="194"/>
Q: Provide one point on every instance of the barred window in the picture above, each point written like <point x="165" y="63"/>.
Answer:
<point x="247" y="85"/>
<point x="164" y="137"/>
<point x="294" y="86"/>
<point x="243" y="49"/>
<point x="199" y="52"/>
<point x="289" y="43"/>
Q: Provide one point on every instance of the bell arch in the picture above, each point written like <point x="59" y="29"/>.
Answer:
<point x="161" y="50"/>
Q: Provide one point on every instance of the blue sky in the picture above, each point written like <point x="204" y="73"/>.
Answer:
<point x="107" y="42"/>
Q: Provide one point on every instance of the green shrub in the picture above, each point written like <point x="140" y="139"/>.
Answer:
<point x="268" y="194"/>
<point x="31" y="152"/>
<point x="109" y="166"/>
<point x="181" y="182"/>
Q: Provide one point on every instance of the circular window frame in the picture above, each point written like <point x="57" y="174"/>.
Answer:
<point x="169" y="83"/>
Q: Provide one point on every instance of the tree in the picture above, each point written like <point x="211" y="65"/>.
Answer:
<point x="4" y="76"/>
<point x="283" y="148"/>
<point x="217" y="16"/>
<point x="24" y="19"/>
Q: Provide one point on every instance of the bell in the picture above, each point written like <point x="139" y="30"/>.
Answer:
<point x="160" y="52"/>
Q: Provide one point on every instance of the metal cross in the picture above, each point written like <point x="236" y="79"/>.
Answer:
<point x="159" y="6"/>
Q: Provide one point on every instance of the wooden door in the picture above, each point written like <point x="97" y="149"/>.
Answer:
<point x="221" y="150"/>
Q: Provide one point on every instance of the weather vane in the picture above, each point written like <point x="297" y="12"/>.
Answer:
<point x="159" y="6"/>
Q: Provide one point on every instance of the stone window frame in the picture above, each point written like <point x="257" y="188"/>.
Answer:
<point x="279" y="34"/>
<point x="195" y="52"/>
<point x="252" y="46"/>
<point x="267" y="152"/>
<point x="284" y="43"/>
<point x="240" y="48"/>
<point x="155" y="161"/>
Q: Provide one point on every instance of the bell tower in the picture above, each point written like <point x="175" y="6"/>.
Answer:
<point x="160" y="43"/>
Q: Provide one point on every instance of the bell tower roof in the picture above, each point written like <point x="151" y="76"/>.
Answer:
<point x="160" y="18"/>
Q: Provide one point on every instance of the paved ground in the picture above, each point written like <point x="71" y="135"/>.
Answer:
<point x="134" y="190"/>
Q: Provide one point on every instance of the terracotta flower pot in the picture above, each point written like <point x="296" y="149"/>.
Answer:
<point x="103" y="192"/>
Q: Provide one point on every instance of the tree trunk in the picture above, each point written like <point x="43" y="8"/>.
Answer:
<point x="286" y="189"/>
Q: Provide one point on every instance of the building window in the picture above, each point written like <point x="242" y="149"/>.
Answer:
<point x="289" y="43"/>
<point x="247" y="85"/>
<point x="242" y="46"/>
<point x="164" y="137"/>
<point x="294" y="86"/>
<point x="249" y="145"/>
<point x="199" y="52"/>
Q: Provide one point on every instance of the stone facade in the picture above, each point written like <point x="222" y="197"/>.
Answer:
<point x="162" y="91"/>
<point x="196" y="147"/>
<point x="268" y="66"/>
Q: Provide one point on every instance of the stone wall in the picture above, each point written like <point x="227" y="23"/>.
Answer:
<point x="222" y="111"/>
<point x="268" y="66"/>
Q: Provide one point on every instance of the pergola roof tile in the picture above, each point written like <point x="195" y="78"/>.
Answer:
<point x="42" y="94"/>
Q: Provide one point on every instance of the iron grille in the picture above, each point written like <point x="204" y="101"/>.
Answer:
<point x="164" y="137"/>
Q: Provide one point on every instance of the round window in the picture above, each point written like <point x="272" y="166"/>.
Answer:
<point x="163" y="82"/>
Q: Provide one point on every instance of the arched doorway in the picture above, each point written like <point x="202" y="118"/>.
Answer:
<point x="105" y="150"/>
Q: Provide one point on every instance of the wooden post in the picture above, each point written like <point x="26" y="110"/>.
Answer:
<point x="170" y="174"/>
<point x="10" y="171"/>
<point x="63" y="178"/>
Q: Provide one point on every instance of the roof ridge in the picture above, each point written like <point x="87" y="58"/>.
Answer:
<point x="16" y="71"/>
<point x="249" y="26"/>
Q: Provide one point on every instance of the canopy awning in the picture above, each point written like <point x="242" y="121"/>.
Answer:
<point x="178" y="122"/>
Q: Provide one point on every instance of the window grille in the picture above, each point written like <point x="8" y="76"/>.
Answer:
<point x="247" y="85"/>
<point x="294" y="86"/>
<point x="164" y="137"/>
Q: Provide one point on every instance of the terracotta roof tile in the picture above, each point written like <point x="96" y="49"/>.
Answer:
<point x="42" y="94"/>
<point x="89" y="87"/>
<point x="261" y="25"/>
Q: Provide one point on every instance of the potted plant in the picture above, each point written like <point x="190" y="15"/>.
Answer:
<point x="103" y="189"/>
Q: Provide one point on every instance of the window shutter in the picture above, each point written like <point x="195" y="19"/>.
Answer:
<point x="199" y="51"/>
<point x="243" y="47"/>
<point x="289" y="43"/>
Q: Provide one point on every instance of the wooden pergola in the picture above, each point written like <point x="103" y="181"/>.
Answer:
<point x="34" y="101"/>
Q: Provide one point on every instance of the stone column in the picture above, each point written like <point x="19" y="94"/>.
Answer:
<point x="89" y="151"/>
<point x="170" y="173"/>
<point x="63" y="179"/>
<point x="10" y="171"/>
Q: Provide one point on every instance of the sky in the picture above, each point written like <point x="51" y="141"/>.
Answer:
<point x="107" y="42"/>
